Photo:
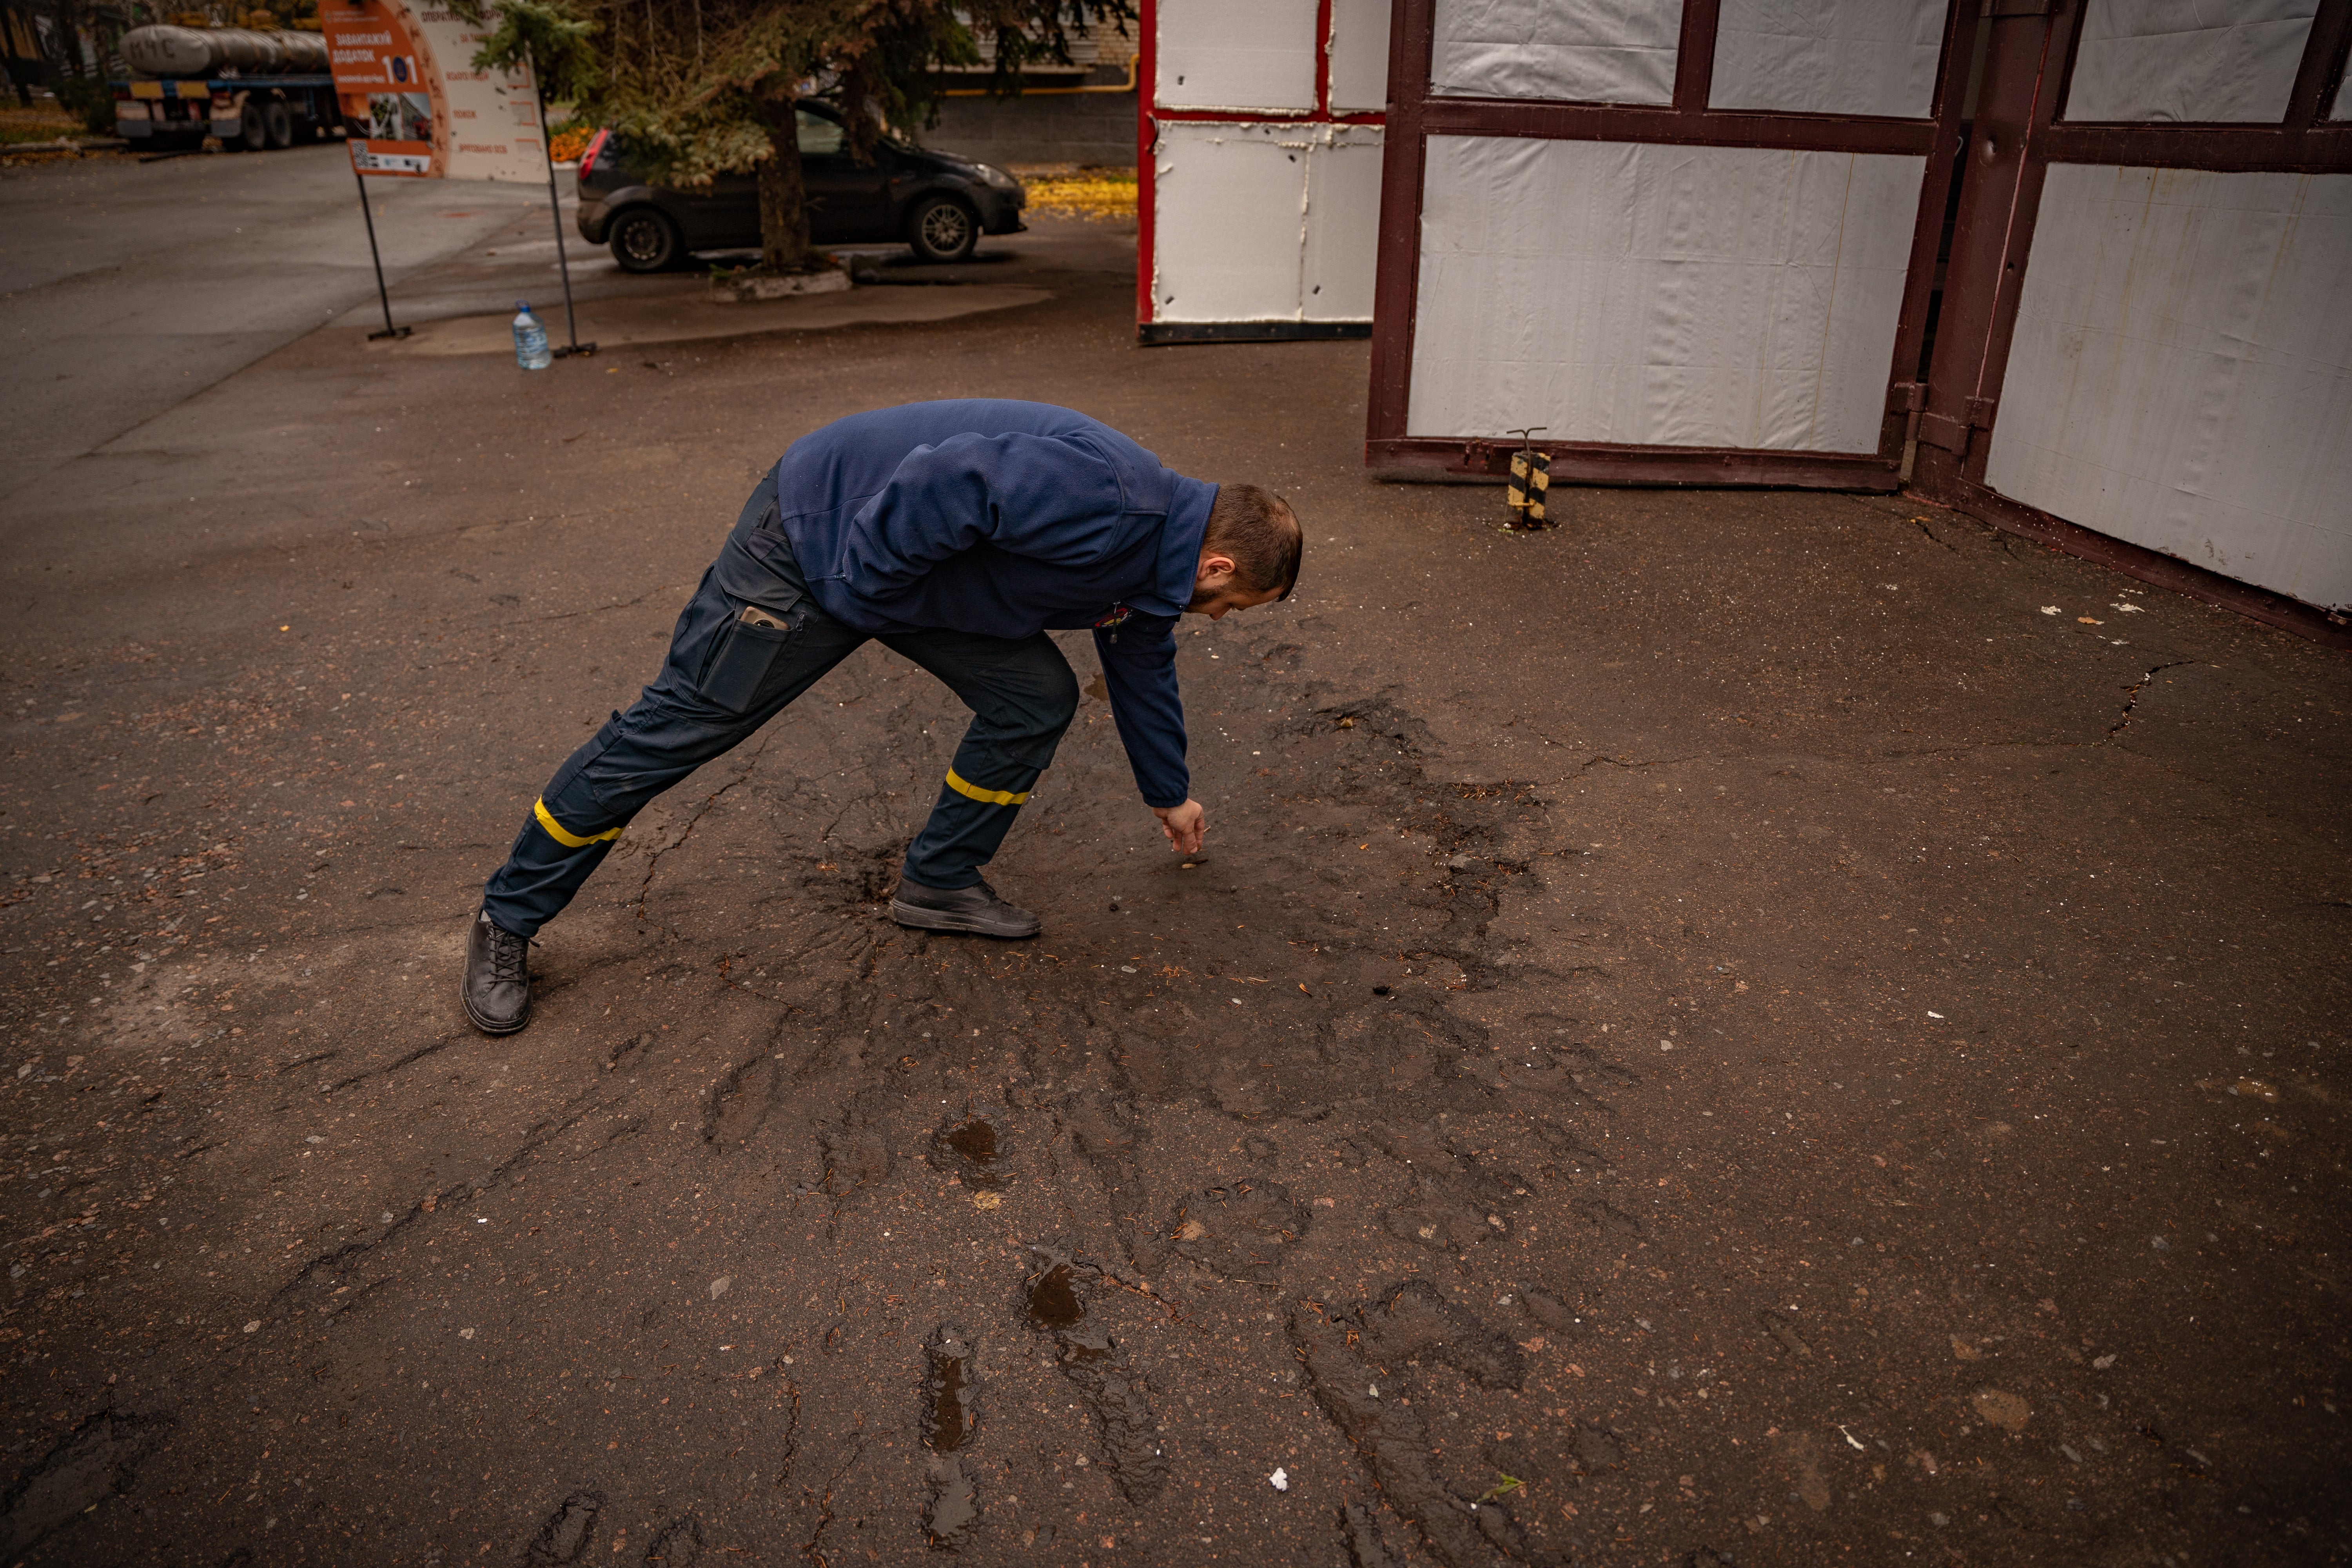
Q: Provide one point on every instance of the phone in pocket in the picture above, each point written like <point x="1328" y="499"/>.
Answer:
<point x="752" y="640"/>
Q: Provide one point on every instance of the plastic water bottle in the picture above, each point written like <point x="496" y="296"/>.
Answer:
<point x="531" y="340"/>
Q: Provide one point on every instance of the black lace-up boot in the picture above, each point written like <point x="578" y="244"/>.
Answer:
<point x="497" y="987"/>
<point x="976" y="908"/>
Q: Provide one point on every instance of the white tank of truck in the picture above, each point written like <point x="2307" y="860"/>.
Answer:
<point x="254" y="89"/>
<point x="165" y="50"/>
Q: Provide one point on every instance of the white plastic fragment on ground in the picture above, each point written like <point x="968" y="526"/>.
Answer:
<point x="1280" y="1479"/>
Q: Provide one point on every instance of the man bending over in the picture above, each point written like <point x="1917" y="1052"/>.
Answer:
<point x="958" y="534"/>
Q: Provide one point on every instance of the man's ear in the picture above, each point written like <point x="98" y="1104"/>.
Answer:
<point x="1217" y="564"/>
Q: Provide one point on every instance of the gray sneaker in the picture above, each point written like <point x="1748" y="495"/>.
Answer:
<point x="976" y="908"/>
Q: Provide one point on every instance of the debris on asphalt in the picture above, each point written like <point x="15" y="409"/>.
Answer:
<point x="2002" y="1409"/>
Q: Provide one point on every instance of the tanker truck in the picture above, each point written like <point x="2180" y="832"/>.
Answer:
<point x="253" y="89"/>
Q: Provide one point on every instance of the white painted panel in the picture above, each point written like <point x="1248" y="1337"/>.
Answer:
<point x="1359" y="57"/>
<point x="2188" y="60"/>
<point x="1265" y="222"/>
<point x="1828" y="57"/>
<point x="1656" y="295"/>
<point x="1591" y="51"/>
<point x="2181" y="375"/>
<point x="1236" y="54"/>
<point x="1226" y="221"/>
<point x="1343" y="223"/>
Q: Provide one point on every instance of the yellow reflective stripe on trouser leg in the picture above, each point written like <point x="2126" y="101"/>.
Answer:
<point x="563" y="834"/>
<point x="957" y="782"/>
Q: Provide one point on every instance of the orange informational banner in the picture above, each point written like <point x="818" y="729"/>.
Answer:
<point x="418" y="107"/>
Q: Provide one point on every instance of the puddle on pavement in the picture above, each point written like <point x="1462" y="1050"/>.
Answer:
<point x="1086" y="1344"/>
<point x="950" y="1419"/>
<point x="1098" y="1372"/>
<point x="1054" y="1303"/>
<point x="974" y="1151"/>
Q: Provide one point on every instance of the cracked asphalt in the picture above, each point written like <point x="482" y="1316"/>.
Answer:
<point x="1748" y="1028"/>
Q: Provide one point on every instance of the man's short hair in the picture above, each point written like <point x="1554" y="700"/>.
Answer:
<point x="1260" y="532"/>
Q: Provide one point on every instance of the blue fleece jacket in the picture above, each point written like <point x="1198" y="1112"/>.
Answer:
<point x="1007" y="519"/>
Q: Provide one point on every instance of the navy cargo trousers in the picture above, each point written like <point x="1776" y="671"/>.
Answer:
<point x="725" y="676"/>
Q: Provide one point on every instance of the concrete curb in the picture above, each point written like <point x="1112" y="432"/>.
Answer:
<point x="745" y="287"/>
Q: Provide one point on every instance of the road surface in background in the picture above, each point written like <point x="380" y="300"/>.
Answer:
<point x="127" y="287"/>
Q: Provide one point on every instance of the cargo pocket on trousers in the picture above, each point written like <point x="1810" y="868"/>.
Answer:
<point x="747" y="650"/>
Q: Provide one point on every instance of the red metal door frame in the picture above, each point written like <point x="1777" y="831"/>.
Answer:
<point x="2018" y="133"/>
<point x="1415" y="115"/>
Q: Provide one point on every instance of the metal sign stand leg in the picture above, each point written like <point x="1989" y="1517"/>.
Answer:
<point x="382" y="295"/>
<point x="562" y="261"/>
<point x="555" y="211"/>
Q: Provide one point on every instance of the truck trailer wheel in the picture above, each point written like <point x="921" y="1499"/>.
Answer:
<point x="252" y="127"/>
<point x="646" y="240"/>
<point x="278" y="122"/>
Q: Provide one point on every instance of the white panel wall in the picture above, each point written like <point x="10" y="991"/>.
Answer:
<point x="1236" y="54"/>
<point x="2181" y="375"/>
<point x="1683" y="295"/>
<point x="1829" y="56"/>
<point x="1264" y="223"/>
<point x="1594" y="51"/>
<point x="1343" y="221"/>
<point x="2188" y="60"/>
<point x="1359" y="57"/>
<point x="1225" y="225"/>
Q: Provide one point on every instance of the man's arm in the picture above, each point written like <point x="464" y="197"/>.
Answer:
<point x="1031" y="495"/>
<point x="1138" y="663"/>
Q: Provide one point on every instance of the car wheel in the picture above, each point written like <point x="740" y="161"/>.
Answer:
<point x="942" y="229"/>
<point x="252" y="129"/>
<point x="278" y="122"/>
<point x="644" y="240"/>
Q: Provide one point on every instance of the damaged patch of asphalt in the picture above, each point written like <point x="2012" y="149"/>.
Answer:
<point x="1334" y="1150"/>
<point x="1171" y="1093"/>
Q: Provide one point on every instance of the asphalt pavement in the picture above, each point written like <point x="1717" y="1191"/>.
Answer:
<point x="1747" y="1028"/>
<point x="126" y="287"/>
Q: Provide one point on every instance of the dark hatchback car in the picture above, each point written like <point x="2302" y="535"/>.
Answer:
<point x="936" y="202"/>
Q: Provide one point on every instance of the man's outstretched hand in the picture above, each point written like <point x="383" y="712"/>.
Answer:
<point x="1185" y="826"/>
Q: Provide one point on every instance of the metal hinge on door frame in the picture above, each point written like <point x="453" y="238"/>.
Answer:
<point x="1952" y="434"/>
